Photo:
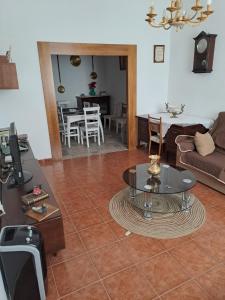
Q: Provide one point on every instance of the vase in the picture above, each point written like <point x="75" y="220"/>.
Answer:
<point x="154" y="167"/>
<point x="92" y="92"/>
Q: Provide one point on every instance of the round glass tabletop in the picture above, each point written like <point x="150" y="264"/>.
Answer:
<point x="169" y="181"/>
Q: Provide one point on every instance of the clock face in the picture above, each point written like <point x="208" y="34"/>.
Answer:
<point x="202" y="45"/>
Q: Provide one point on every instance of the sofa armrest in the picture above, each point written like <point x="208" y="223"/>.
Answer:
<point x="185" y="143"/>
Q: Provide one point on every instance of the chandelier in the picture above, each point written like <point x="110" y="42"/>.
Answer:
<point x="175" y="16"/>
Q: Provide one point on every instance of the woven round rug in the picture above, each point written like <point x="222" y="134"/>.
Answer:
<point x="161" y="226"/>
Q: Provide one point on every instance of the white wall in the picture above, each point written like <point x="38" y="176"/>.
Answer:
<point x="116" y="84"/>
<point x="76" y="79"/>
<point x="203" y="94"/>
<point x="24" y="22"/>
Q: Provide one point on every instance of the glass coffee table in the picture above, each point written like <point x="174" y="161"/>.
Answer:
<point x="165" y="193"/>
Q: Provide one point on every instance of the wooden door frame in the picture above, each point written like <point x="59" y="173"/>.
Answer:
<point x="46" y="49"/>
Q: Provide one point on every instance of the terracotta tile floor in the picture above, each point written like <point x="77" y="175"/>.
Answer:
<point x="100" y="262"/>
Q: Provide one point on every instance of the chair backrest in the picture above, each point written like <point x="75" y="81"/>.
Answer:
<point x="95" y="105"/>
<point x="155" y="125"/>
<point x="86" y="104"/>
<point x="91" y="117"/>
<point x="61" y="116"/>
<point x="119" y="109"/>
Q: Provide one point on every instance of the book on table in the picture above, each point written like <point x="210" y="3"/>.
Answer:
<point x="30" y="198"/>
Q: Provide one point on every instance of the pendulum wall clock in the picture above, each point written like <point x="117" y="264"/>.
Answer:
<point x="204" y="52"/>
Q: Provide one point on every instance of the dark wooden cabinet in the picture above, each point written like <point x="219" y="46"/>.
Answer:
<point x="52" y="227"/>
<point x="8" y="74"/>
<point x="143" y="135"/>
<point x="103" y="101"/>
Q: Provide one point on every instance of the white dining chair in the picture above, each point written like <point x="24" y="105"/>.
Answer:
<point x="100" y="122"/>
<point x="91" y="127"/>
<point x="121" y="121"/>
<point x="86" y="104"/>
<point x="116" y="113"/>
<point x="67" y="129"/>
<point x="62" y="124"/>
<point x="72" y="130"/>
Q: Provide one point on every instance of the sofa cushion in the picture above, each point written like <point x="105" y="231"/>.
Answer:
<point x="213" y="164"/>
<point x="204" y="143"/>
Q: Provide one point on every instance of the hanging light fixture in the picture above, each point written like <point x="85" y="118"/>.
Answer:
<point x="93" y="74"/>
<point x="61" y="88"/>
<point x="75" y="60"/>
<point x="175" y="16"/>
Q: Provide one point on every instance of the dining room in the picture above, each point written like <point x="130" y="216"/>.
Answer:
<point x="91" y="99"/>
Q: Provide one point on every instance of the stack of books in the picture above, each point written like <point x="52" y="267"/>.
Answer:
<point x="30" y="198"/>
<point x="36" y="201"/>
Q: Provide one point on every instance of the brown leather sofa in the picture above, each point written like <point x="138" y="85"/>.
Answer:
<point x="209" y="169"/>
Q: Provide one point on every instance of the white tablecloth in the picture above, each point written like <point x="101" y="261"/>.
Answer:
<point x="183" y="119"/>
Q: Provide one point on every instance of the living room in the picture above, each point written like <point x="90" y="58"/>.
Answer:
<point x="87" y="268"/>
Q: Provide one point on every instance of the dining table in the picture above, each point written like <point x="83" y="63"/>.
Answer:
<point x="79" y="116"/>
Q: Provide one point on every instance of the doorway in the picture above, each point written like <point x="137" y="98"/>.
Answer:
<point x="47" y="49"/>
<point x="109" y="77"/>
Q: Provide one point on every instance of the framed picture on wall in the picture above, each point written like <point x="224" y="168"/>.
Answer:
<point x="159" y="53"/>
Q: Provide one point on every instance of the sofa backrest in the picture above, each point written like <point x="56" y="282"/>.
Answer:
<point x="218" y="131"/>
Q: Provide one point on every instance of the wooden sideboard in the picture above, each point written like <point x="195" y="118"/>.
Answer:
<point x="172" y="133"/>
<point x="143" y="135"/>
<point x="52" y="227"/>
<point x="103" y="101"/>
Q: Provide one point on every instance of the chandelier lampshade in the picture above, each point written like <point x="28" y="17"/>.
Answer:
<point x="175" y="16"/>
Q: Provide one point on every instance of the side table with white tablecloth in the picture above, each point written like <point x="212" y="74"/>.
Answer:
<point x="182" y="120"/>
<point x="172" y="127"/>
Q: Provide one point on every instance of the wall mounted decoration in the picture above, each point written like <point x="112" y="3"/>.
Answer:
<point x="8" y="73"/>
<point x="75" y="60"/>
<point x="204" y="52"/>
<point x="175" y="15"/>
<point x="93" y="74"/>
<point x="159" y="53"/>
<point x="61" y="88"/>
